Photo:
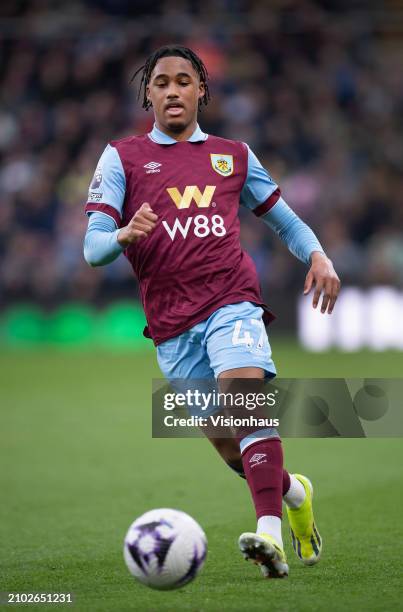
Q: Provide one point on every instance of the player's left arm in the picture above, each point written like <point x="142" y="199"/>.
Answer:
<point x="303" y="243"/>
<point x="262" y="195"/>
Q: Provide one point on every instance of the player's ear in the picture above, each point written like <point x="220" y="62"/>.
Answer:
<point x="202" y="90"/>
<point x="148" y="95"/>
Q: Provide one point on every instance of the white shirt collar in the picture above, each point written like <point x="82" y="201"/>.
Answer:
<point x="161" y="138"/>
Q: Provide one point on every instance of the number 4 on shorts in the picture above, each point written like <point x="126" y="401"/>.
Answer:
<point x="246" y="336"/>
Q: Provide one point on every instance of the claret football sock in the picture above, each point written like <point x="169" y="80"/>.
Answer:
<point x="240" y="471"/>
<point x="263" y="465"/>
<point x="295" y="495"/>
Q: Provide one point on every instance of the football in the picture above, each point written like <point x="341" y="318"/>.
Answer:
<point x="165" y="549"/>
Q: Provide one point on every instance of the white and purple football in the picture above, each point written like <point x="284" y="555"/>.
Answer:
<point x="165" y="548"/>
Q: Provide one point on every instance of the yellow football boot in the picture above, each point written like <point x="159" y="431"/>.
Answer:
<point x="263" y="550"/>
<point x="305" y="536"/>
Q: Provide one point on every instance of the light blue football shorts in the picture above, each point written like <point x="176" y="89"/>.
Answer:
<point x="234" y="336"/>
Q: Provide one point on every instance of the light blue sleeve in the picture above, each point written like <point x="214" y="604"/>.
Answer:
<point x="108" y="185"/>
<point x="298" y="237"/>
<point x="258" y="186"/>
<point x="101" y="244"/>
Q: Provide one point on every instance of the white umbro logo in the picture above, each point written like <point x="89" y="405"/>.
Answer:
<point x="152" y="167"/>
<point x="257" y="459"/>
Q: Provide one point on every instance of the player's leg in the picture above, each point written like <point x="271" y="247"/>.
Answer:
<point x="240" y="356"/>
<point x="239" y="324"/>
<point x="228" y="449"/>
<point x="262" y="460"/>
<point x="297" y="495"/>
<point x="185" y="357"/>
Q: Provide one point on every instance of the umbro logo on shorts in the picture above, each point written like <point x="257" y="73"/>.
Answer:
<point x="257" y="459"/>
<point x="152" y="167"/>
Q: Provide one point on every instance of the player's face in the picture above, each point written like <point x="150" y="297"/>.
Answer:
<point x="174" y="91"/>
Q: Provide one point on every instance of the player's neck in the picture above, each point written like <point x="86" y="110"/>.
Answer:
<point x="179" y="136"/>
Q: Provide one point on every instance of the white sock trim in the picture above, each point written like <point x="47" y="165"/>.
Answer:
<point x="295" y="494"/>
<point x="272" y="526"/>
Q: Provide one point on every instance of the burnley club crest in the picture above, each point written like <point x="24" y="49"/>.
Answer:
<point x="223" y="164"/>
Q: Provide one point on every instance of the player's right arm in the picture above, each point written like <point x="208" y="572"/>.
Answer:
<point x="105" y="239"/>
<point x="139" y="226"/>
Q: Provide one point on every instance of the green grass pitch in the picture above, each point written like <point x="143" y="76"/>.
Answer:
<point x="78" y="465"/>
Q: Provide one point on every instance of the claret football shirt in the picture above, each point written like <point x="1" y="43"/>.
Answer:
<point x="192" y="263"/>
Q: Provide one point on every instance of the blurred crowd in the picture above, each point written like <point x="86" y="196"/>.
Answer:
<point x="316" y="92"/>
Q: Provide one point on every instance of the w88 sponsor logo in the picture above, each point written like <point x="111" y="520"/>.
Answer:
<point x="200" y="225"/>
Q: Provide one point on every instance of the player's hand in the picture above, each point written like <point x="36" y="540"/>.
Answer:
<point x="323" y="277"/>
<point x="140" y="226"/>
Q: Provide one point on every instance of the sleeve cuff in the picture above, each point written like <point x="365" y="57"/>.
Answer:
<point x="118" y="247"/>
<point x="263" y="208"/>
<point x="106" y="209"/>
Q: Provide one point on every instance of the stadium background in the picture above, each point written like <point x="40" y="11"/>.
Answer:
<point x="316" y="89"/>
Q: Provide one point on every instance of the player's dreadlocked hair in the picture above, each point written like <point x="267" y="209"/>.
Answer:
<point x="171" y="51"/>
